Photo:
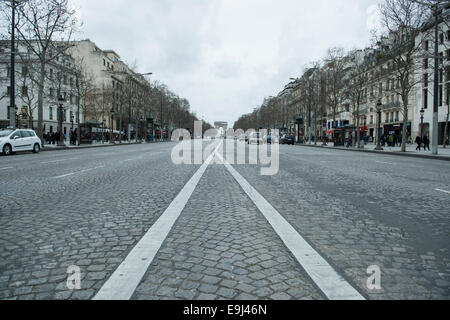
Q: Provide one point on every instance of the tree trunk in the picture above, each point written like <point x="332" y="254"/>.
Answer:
<point x="41" y="102"/>
<point x="78" y="120"/>
<point x="446" y="135"/>
<point x="405" y="125"/>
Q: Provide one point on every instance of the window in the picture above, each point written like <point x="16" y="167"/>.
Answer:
<point x="425" y="80"/>
<point x="441" y="57"/>
<point x="8" y="71"/>
<point x="52" y="93"/>
<point x="425" y="98"/>
<point x="25" y="91"/>
<point x="426" y="45"/>
<point x="24" y="71"/>
<point x="371" y="119"/>
<point x="51" y="74"/>
<point x="441" y="38"/>
<point x="425" y="63"/>
<point x="65" y="79"/>
<point x="50" y="114"/>
<point x="8" y="91"/>
<point x="440" y="95"/>
<point x="392" y="116"/>
<point x="104" y="62"/>
<point x="397" y="114"/>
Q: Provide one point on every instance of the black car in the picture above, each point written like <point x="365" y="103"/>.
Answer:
<point x="287" y="140"/>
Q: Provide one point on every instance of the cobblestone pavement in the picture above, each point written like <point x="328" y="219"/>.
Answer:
<point x="222" y="248"/>
<point x="90" y="207"/>
<point x="91" y="219"/>
<point x="361" y="210"/>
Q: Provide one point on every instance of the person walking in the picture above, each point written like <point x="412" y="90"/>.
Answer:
<point x="426" y="143"/>
<point x="419" y="143"/>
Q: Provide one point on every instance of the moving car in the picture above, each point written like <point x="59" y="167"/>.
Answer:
<point x="14" y="140"/>
<point x="286" y="139"/>
<point x="255" y="138"/>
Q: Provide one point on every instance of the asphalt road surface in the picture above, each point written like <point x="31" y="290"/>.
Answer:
<point x="140" y="227"/>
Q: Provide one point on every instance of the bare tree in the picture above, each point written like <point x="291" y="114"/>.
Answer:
<point x="45" y="27"/>
<point x="357" y="89"/>
<point x="402" y="21"/>
<point x="84" y="88"/>
<point x="335" y="65"/>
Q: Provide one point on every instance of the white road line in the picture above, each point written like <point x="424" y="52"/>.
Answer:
<point x="124" y="281"/>
<point x="385" y="162"/>
<point x="326" y="278"/>
<point x="445" y="191"/>
<point x="128" y="160"/>
<point x="81" y="171"/>
<point x="6" y="168"/>
<point x="55" y="161"/>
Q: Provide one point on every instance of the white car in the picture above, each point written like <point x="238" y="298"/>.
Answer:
<point x="255" y="138"/>
<point x="14" y="140"/>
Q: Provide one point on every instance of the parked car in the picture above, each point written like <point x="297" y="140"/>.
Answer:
<point x="286" y="139"/>
<point x="14" y="140"/>
<point x="255" y="138"/>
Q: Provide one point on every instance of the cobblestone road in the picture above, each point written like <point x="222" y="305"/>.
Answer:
<point x="90" y="207"/>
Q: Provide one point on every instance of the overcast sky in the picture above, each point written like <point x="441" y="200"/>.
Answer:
<point x="225" y="56"/>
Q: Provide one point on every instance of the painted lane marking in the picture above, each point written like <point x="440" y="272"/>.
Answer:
<point x="124" y="281"/>
<point x="6" y="168"/>
<point x="326" y="278"/>
<point x="62" y="160"/>
<point x="445" y="191"/>
<point x="81" y="171"/>
<point x="385" y="162"/>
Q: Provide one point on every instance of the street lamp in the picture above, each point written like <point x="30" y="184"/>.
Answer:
<point x="379" y="106"/>
<point x="422" y="113"/>
<point x="60" y="121"/>
<point x="112" y="124"/>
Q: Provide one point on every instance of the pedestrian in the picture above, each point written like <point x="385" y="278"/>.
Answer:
<point x="419" y="143"/>
<point x="75" y="136"/>
<point x="426" y="143"/>
<point x="71" y="137"/>
<point x="391" y="140"/>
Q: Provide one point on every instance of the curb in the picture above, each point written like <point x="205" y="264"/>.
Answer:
<point x="90" y="147"/>
<point x="401" y="154"/>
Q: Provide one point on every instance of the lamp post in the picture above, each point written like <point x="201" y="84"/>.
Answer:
<point x="61" y="142"/>
<point x="13" y="66"/>
<point x="379" y="106"/>
<point x="112" y="125"/>
<point x="422" y="113"/>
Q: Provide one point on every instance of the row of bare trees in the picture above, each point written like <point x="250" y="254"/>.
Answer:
<point x="340" y="81"/>
<point x="45" y="28"/>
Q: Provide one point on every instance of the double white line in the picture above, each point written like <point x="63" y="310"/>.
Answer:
<point x="124" y="281"/>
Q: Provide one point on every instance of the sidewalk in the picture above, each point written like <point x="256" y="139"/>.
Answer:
<point x="443" y="154"/>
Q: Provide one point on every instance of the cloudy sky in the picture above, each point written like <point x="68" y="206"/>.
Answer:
<point x="225" y="56"/>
